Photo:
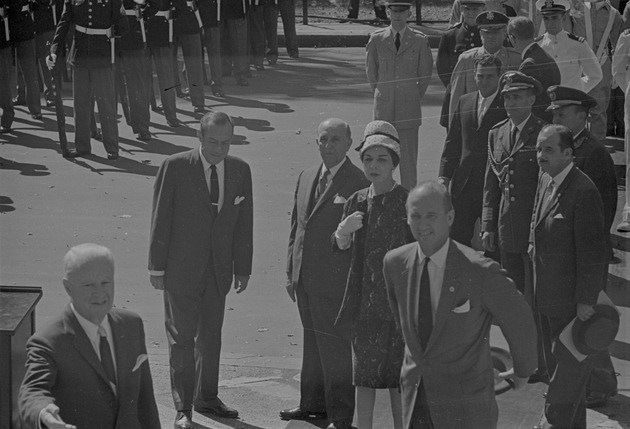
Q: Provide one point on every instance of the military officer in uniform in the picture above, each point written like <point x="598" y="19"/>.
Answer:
<point x="399" y="64"/>
<point x="263" y="31"/>
<point x="234" y="39"/>
<point x="96" y="24"/>
<point x="571" y="108"/>
<point x="22" y="35"/>
<point x="188" y="27"/>
<point x="160" y="35"/>
<point x="512" y="177"/>
<point x="492" y="27"/>
<point x="459" y="38"/>
<point x="6" y="104"/>
<point x="133" y="62"/>
<point x="579" y="68"/>
<point x="536" y="62"/>
<point x="600" y="24"/>
<point x="509" y="8"/>
<point x="209" y="10"/>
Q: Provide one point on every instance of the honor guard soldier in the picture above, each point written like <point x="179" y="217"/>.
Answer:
<point x="512" y="177"/>
<point x="6" y="104"/>
<point x="188" y="28"/>
<point x="398" y="65"/>
<point x="97" y="24"/>
<point x="571" y="108"/>
<point x="509" y="8"/>
<point x="579" y="68"/>
<point x="492" y="27"/>
<point x="459" y="38"/>
<point x="263" y="36"/>
<point x="160" y="34"/>
<point x="210" y="11"/>
<point x="133" y="62"/>
<point x="600" y="24"/>
<point x="234" y="39"/>
<point x="22" y="35"/>
<point x="286" y="8"/>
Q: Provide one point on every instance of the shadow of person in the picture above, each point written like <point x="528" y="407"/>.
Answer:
<point x="6" y="204"/>
<point x="252" y="124"/>
<point x="155" y="145"/>
<point x="25" y="168"/>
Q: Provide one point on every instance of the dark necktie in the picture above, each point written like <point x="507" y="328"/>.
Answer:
<point x="106" y="356"/>
<point x="548" y="197"/>
<point x="425" y="313"/>
<point x="397" y="42"/>
<point x="514" y="133"/>
<point x="214" y="189"/>
<point x="321" y="186"/>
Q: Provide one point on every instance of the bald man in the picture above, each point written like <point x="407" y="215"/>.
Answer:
<point x="90" y="363"/>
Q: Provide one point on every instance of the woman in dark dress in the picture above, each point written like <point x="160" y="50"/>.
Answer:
<point x="374" y="222"/>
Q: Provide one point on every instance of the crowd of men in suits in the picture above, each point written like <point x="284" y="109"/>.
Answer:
<point x="520" y="157"/>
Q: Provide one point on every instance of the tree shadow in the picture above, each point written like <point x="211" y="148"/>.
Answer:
<point x="25" y="168"/>
<point x="120" y="165"/>
<point x="6" y="204"/>
<point x="155" y="145"/>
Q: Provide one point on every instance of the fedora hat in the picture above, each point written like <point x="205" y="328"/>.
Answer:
<point x="598" y="332"/>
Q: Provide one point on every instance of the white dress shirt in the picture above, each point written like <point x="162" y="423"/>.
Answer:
<point x="220" y="174"/>
<point x="483" y="104"/>
<point x="437" y="267"/>
<point x="91" y="330"/>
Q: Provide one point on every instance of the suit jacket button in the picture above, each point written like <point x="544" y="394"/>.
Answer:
<point x="512" y="199"/>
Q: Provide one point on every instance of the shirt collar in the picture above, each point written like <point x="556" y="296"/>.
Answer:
<point x="91" y="330"/>
<point x="559" y="178"/>
<point x="522" y="124"/>
<point x="333" y="170"/>
<point x="402" y="32"/>
<point x="206" y="164"/>
<point x="439" y="257"/>
<point x="490" y="97"/>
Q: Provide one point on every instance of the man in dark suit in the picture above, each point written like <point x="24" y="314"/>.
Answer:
<point x="511" y="177"/>
<point x="444" y="297"/>
<point x="459" y="38"/>
<point x="465" y="151"/>
<point x="201" y="239"/>
<point x="316" y="276"/>
<point x="568" y="248"/>
<point x="89" y="366"/>
<point x="570" y="107"/>
<point x="536" y="62"/>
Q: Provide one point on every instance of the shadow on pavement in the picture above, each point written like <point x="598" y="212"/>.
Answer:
<point x="25" y="168"/>
<point x="233" y="423"/>
<point x="6" y="204"/>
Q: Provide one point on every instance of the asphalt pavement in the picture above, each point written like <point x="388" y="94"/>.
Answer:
<point x="48" y="204"/>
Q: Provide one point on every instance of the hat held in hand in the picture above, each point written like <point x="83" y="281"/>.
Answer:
<point x="598" y="332"/>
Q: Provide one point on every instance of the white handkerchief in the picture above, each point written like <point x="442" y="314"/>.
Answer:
<point x="558" y="216"/>
<point x="339" y="199"/>
<point x="238" y="200"/>
<point x="464" y="308"/>
<point x="140" y="361"/>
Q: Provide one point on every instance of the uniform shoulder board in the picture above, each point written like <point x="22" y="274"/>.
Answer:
<point x="574" y="37"/>
<point x="626" y="31"/>
<point x="538" y="39"/>
<point x="498" y="124"/>
<point x="417" y="32"/>
<point x="456" y="25"/>
<point x="380" y="30"/>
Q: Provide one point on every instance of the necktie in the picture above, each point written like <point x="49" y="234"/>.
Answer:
<point x="321" y="186"/>
<point x="482" y="111"/>
<point x="549" y="193"/>
<point x="425" y="312"/>
<point x="397" y="42"/>
<point x="514" y="133"/>
<point x="106" y="356"/>
<point x="214" y="189"/>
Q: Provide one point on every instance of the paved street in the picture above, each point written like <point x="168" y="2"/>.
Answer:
<point x="48" y="204"/>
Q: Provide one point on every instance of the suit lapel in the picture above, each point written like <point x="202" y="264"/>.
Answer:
<point x="199" y="178"/>
<point x="231" y="178"/>
<point x="413" y="298"/>
<point x="121" y="350"/>
<point x="497" y="104"/>
<point x="450" y="285"/>
<point x="389" y="40"/>
<point x="338" y="181"/>
<point x="559" y="193"/>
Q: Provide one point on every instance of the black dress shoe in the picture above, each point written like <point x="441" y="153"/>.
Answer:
<point x="97" y="135"/>
<point x="76" y="153"/>
<point x="218" y="92"/>
<point x="36" y="116"/>
<point x="174" y="123"/>
<point x="219" y="410"/>
<point x="538" y="377"/>
<point x="158" y="109"/>
<point x="272" y="61"/>
<point x="183" y="420"/>
<point x="259" y="67"/>
<point x="5" y="130"/>
<point x="241" y="81"/>
<point x="19" y="101"/>
<point x="200" y="109"/>
<point x="112" y="156"/>
<point x="50" y="103"/>
<point x="145" y="136"/>
<point x="298" y="413"/>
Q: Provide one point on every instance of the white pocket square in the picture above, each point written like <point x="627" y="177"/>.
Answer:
<point x="238" y="200"/>
<point x="464" y="308"/>
<point x="140" y="361"/>
<point x="558" y="216"/>
<point x="339" y="199"/>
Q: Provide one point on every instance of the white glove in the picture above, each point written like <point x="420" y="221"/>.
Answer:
<point x="50" y="61"/>
<point x="350" y="224"/>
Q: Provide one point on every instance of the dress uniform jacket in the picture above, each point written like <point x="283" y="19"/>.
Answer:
<point x="44" y="22"/>
<point x="132" y="40"/>
<point x="185" y="19"/>
<point x="538" y="64"/>
<point x="463" y="79"/>
<point x="577" y="63"/>
<point x="234" y="9"/>
<point x="90" y="51"/>
<point x="157" y="26"/>
<point x="454" y="41"/>
<point x="399" y="78"/>
<point x="209" y="13"/>
<point x="21" y="25"/>
<point x="595" y="161"/>
<point x="510" y="185"/>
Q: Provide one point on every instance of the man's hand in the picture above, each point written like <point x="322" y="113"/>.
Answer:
<point x="50" y="61"/>
<point x="290" y="289"/>
<point x="488" y="241"/>
<point x="350" y="224"/>
<point x="584" y="312"/>
<point x="240" y="283"/>
<point x="49" y="418"/>
<point x="515" y="381"/>
<point x="444" y="181"/>
<point x="157" y="282"/>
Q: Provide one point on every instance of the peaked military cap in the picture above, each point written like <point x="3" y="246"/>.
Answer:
<point x="399" y="3"/>
<point x="553" y="6"/>
<point x="472" y="2"/>
<point x="491" y="20"/>
<point x="516" y="81"/>
<point x="561" y="96"/>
